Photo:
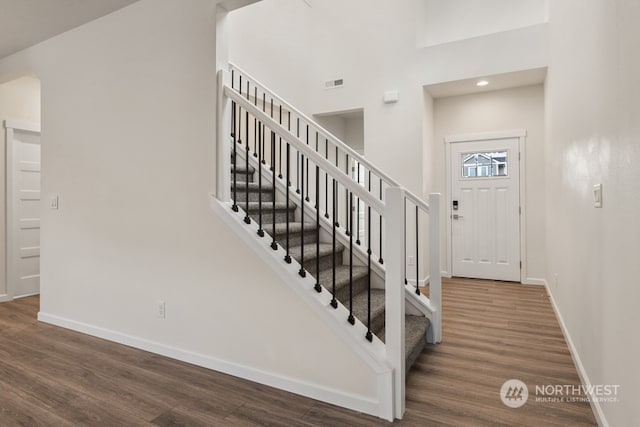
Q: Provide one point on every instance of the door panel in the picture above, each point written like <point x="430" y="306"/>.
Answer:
<point x="25" y="251"/>
<point x="485" y="229"/>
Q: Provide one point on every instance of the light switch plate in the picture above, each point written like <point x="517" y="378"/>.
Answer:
<point x="597" y="195"/>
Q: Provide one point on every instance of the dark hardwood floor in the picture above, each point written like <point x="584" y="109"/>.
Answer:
<point x="493" y="331"/>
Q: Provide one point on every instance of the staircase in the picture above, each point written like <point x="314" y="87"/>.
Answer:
<point x="348" y="277"/>
<point x="360" y="249"/>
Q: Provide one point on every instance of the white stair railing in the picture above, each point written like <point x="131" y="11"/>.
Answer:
<point x="301" y="155"/>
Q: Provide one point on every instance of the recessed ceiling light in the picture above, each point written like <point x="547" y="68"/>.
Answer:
<point x="482" y="83"/>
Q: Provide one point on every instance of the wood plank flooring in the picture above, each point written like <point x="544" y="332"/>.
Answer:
<point x="493" y="331"/>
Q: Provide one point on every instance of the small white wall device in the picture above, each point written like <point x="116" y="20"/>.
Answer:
<point x="390" y="97"/>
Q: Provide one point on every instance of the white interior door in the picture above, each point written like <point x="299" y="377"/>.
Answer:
<point x="485" y="209"/>
<point x="23" y="208"/>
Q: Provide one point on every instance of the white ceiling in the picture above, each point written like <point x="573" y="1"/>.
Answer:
<point x="24" y="23"/>
<point x="496" y="82"/>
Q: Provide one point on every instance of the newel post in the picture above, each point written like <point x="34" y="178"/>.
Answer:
<point x="394" y="292"/>
<point x="435" y="278"/>
<point x="223" y="141"/>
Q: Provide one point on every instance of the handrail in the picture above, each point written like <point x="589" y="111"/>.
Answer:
<point x="333" y="139"/>
<point x="339" y="175"/>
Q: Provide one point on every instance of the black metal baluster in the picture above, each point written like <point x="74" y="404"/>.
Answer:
<point x="405" y="241"/>
<point x="358" y="207"/>
<point x="287" y="257"/>
<point x="417" y="254"/>
<point x="280" y="148"/>
<point x="326" y="180"/>
<point x="247" y="219"/>
<point x="255" y="127"/>
<point x="307" y="160"/>
<point x="298" y="157"/>
<point x="351" y="319"/>
<point x="289" y="129"/>
<point x="274" y="244"/>
<point x="335" y="200"/>
<point x="260" y="230"/>
<point x="317" y="287"/>
<point x="334" y="302"/>
<point x="264" y="100"/>
<point x="369" y="335"/>
<point x="302" y="271"/>
<point x="381" y="261"/>
<point x="346" y="198"/>
<point x="234" y="135"/>
<point x="272" y="167"/>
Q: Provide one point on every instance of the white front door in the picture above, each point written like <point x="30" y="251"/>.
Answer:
<point x="485" y="209"/>
<point x="23" y="219"/>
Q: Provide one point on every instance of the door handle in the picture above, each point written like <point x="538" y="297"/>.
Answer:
<point x="456" y="216"/>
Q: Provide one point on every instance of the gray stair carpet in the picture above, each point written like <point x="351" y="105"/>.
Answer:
<point x="415" y="326"/>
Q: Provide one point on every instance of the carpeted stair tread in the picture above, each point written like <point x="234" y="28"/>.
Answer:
<point x="342" y="276"/>
<point x="294" y="227"/>
<point x="241" y="168"/>
<point x="377" y="308"/>
<point x="415" y="337"/>
<point x="310" y="250"/>
<point x="253" y="186"/>
<point x="255" y="207"/>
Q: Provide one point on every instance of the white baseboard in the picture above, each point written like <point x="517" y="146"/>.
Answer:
<point x="534" y="281"/>
<point x="422" y="282"/>
<point x="314" y="391"/>
<point x="5" y="298"/>
<point x="582" y="373"/>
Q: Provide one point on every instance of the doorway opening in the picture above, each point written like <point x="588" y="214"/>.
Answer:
<point x="348" y="126"/>
<point x="20" y="253"/>
<point x="485" y="192"/>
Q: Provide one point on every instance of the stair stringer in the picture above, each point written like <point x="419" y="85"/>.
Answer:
<point x="372" y="354"/>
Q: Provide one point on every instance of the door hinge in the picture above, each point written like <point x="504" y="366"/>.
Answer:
<point x="520" y="210"/>
<point x="518" y="156"/>
<point x="520" y="265"/>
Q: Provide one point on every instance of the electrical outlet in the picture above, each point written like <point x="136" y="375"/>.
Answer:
<point x="53" y="202"/>
<point x="411" y="260"/>
<point x="162" y="310"/>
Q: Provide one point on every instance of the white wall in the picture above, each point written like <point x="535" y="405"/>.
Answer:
<point x="338" y="39"/>
<point x="19" y="100"/>
<point x="592" y="106"/>
<point x="453" y="20"/>
<point x="517" y="108"/>
<point x="128" y="130"/>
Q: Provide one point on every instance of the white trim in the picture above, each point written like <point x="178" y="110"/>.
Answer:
<point x="582" y="373"/>
<point x="11" y="248"/>
<point x="483" y="136"/>
<point x="421" y="282"/>
<point x="223" y="179"/>
<point x="371" y="353"/>
<point x="521" y="134"/>
<point x="314" y="391"/>
<point x="534" y="282"/>
<point x="23" y="126"/>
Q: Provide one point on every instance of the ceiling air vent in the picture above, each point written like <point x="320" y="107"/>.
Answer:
<point x="332" y="84"/>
